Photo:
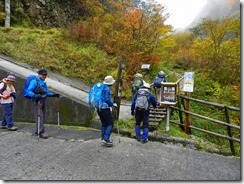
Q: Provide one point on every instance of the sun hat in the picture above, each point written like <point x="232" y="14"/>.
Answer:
<point x="138" y="75"/>
<point x="146" y="85"/>
<point x="10" y="78"/>
<point x="109" y="80"/>
<point x="42" y="72"/>
<point x="161" y="74"/>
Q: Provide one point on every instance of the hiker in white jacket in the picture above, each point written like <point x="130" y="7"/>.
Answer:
<point x="8" y="95"/>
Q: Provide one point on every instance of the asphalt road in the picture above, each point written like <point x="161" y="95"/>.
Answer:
<point x="78" y="155"/>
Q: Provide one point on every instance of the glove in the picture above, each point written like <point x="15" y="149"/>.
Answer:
<point x="132" y="113"/>
<point x="55" y="95"/>
<point x="115" y="105"/>
<point x="37" y="97"/>
<point x="13" y="95"/>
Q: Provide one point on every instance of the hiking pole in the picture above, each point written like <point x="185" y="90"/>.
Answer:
<point x="58" y="100"/>
<point x="38" y="118"/>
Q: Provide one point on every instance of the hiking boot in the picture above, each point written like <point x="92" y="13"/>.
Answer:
<point x="43" y="135"/>
<point x="107" y="144"/>
<point x="138" y="139"/>
<point x="144" y="141"/>
<point x="4" y="127"/>
<point x="13" y="128"/>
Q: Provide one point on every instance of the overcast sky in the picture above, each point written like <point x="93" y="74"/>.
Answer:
<point x="182" y="12"/>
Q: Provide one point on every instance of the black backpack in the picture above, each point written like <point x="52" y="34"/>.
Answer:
<point x="4" y="87"/>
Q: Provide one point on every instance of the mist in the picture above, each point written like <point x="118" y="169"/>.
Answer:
<point x="217" y="9"/>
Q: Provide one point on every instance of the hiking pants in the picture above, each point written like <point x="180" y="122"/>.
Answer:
<point x="42" y="115"/>
<point x="7" y="115"/>
<point x="142" y="116"/>
<point x="107" y="121"/>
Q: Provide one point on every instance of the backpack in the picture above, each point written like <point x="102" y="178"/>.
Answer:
<point x="142" y="100"/>
<point x="4" y="87"/>
<point x="158" y="82"/>
<point x="96" y="96"/>
<point x="137" y="82"/>
<point x="38" y="90"/>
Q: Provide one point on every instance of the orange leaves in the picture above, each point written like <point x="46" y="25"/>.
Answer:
<point x="132" y="19"/>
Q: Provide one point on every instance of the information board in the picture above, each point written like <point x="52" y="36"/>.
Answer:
<point x="168" y="93"/>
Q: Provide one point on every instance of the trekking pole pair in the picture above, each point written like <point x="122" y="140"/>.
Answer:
<point x="39" y="115"/>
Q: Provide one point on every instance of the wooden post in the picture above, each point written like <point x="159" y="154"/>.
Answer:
<point x="117" y="98"/>
<point x="187" y="115"/>
<point x="229" y="131"/>
<point x="180" y="114"/>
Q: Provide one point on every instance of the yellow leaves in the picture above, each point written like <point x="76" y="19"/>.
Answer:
<point x="2" y="16"/>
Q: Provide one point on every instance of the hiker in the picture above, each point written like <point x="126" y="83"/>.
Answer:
<point x="140" y="108"/>
<point x="102" y="103"/>
<point x="157" y="83"/>
<point x="8" y="95"/>
<point x="37" y="90"/>
<point x="136" y="83"/>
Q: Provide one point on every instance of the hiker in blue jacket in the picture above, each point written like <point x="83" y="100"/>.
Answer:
<point x="140" y="108"/>
<point x="105" y="113"/>
<point x="157" y="83"/>
<point x="38" y="91"/>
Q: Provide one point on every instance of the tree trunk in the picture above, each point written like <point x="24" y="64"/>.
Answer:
<point x="7" y="11"/>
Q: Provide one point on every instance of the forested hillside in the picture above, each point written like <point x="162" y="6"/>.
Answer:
<point x="87" y="38"/>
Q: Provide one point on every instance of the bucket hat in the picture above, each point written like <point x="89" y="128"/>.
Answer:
<point x="138" y="75"/>
<point x="109" y="80"/>
<point x="10" y="78"/>
<point x="146" y="85"/>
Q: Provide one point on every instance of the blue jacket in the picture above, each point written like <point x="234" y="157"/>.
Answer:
<point x="107" y="100"/>
<point x="155" y="80"/>
<point x="152" y="100"/>
<point x="33" y="85"/>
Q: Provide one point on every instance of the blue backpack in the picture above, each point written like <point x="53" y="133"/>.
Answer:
<point x="38" y="90"/>
<point x="96" y="96"/>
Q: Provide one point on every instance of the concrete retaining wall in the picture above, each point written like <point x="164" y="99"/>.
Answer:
<point x="72" y="112"/>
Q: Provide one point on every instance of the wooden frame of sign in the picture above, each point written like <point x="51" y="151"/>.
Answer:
<point x="168" y="93"/>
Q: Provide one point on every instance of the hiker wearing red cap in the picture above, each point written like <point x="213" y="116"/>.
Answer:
<point x="8" y="95"/>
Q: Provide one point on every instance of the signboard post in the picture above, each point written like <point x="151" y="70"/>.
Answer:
<point x="168" y="94"/>
<point x="188" y="87"/>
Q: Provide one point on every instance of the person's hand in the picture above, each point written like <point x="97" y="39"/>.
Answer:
<point x="55" y="95"/>
<point x="5" y="96"/>
<point x="115" y="105"/>
<point x="37" y="97"/>
<point x="13" y="95"/>
<point x="132" y="113"/>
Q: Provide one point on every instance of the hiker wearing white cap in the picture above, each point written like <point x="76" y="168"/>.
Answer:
<point x="99" y="99"/>
<point x="140" y="108"/>
<point x="8" y="95"/>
